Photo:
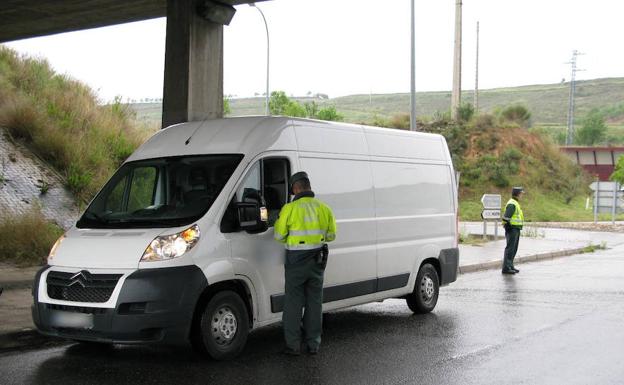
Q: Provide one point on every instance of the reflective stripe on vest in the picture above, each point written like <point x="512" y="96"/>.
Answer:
<point x="304" y="246"/>
<point x="517" y="219"/>
<point x="305" y="224"/>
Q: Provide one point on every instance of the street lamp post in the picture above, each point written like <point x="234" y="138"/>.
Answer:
<point x="266" y="111"/>
<point x="413" y="73"/>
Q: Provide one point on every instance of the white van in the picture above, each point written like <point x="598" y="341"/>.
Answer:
<point x="178" y="245"/>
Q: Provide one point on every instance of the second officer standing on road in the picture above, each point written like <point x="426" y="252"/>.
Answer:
<point x="512" y="221"/>
<point x="304" y="226"/>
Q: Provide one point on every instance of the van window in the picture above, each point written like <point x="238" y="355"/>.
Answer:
<point x="163" y="192"/>
<point x="142" y="188"/>
<point x="268" y="178"/>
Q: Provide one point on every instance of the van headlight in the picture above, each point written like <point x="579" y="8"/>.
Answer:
<point x="172" y="246"/>
<point x="52" y="253"/>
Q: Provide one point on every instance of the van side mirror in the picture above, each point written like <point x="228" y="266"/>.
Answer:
<point x="252" y="217"/>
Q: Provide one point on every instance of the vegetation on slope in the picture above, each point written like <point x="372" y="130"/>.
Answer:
<point x="26" y="239"/>
<point x="61" y="120"/>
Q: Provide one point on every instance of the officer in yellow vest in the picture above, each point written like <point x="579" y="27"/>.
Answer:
<point x="304" y="226"/>
<point x="512" y="221"/>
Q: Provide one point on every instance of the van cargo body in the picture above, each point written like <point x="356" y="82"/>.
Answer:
<point x="179" y="246"/>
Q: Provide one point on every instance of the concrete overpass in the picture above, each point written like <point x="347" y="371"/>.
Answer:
<point x="193" y="83"/>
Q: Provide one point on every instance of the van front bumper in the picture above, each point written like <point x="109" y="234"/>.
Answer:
<point x="154" y="305"/>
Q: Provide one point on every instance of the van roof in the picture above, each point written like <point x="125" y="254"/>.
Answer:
<point x="256" y="134"/>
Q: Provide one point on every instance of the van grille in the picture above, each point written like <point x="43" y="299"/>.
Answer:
<point x="81" y="286"/>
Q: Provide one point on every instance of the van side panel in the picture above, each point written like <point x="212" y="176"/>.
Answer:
<point x="346" y="186"/>
<point x="401" y="144"/>
<point x="414" y="210"/>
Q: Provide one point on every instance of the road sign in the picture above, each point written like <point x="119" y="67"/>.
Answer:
<point x="491" y="201"/>
<point x="491" y="213"/>
<point x="608" y="198"/>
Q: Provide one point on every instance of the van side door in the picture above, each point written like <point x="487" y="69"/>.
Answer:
<point x="258" y="256"/>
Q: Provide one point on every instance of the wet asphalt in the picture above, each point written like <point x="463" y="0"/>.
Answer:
<point x="557" y="322"/>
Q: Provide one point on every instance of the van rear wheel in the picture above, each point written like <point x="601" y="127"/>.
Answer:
<point x="425" y="295"/>
<point x="223" y="326"/>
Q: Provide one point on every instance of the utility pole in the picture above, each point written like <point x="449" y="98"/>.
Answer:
<point x="456" y="95"/>
<point x="413" y="73"/>
<point x="572" y="62"/>
<point x="476" y="92"/>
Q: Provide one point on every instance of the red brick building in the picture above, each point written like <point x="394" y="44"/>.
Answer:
<point x="598" y="161"/>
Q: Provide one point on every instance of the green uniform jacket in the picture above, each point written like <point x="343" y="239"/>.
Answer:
<point x="513" y="217"/>
<point x="304" y="226"/>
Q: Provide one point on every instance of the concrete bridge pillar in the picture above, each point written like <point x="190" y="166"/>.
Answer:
<point x="193" y="84"/>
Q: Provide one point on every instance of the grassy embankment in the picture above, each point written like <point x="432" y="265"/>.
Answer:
<point x="62" y="121"/>
<point x="548" y="104"/>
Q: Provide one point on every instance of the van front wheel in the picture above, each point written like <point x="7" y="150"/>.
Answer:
<point x="425" y="295"/>
<point x="223" y="326"/>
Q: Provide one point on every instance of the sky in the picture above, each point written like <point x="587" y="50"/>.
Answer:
<point x="345" y="47"/>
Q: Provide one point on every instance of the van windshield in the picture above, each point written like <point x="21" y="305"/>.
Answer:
<point x="163" y="192"/>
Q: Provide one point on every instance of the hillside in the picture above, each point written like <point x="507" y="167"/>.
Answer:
<point x="548" y="103"/>
<point x="496" y="159"/>
<point x="63" y="122"/>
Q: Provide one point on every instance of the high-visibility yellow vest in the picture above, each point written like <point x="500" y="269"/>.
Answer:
<point x="305" y="224"/>
<point x="517" y="219"/>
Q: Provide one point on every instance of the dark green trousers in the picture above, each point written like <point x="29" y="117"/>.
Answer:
<point x="304" y="290"/>
<point x="512" y="235"/>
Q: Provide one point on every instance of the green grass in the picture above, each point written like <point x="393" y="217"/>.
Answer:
<point x="25" y="240"/>
<point x="61" y="120"/>
<point x="538" y="207"/>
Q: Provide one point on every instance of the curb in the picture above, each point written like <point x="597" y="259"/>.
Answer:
<point x="527" y="258"/>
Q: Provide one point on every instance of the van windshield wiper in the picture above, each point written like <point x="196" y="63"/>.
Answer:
<point x="173" y="222"/>
<point x="93" y="216"/>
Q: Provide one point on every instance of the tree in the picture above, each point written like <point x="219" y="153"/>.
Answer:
<point x="278" y="102"/>
<point x="312" y="109"/>
<point x="329" y="113"/>
<point x="618" y="173"/>
<point x="593" y="130"/>
<point x="226" y="106"/>
<point x="295" y="109"/>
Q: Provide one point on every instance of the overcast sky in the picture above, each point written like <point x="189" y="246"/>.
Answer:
<point x="342" y="47"/>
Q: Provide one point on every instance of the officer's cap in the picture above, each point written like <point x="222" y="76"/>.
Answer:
<point x="301" y="175"/>
<point x="516" y="190"/>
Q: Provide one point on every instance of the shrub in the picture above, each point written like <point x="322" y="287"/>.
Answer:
<point x="26" y="239"/>
<point x="518" y="114"/>
<point x="465" y="112"/>
<point x="484" y="121"/>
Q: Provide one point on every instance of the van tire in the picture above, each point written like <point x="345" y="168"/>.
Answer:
<point x="223" y="326"/>
<point x="426" y="289"/>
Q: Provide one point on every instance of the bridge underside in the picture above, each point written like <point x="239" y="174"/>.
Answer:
<point x="193" y="79"/>
<point x="22" y="19"/>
